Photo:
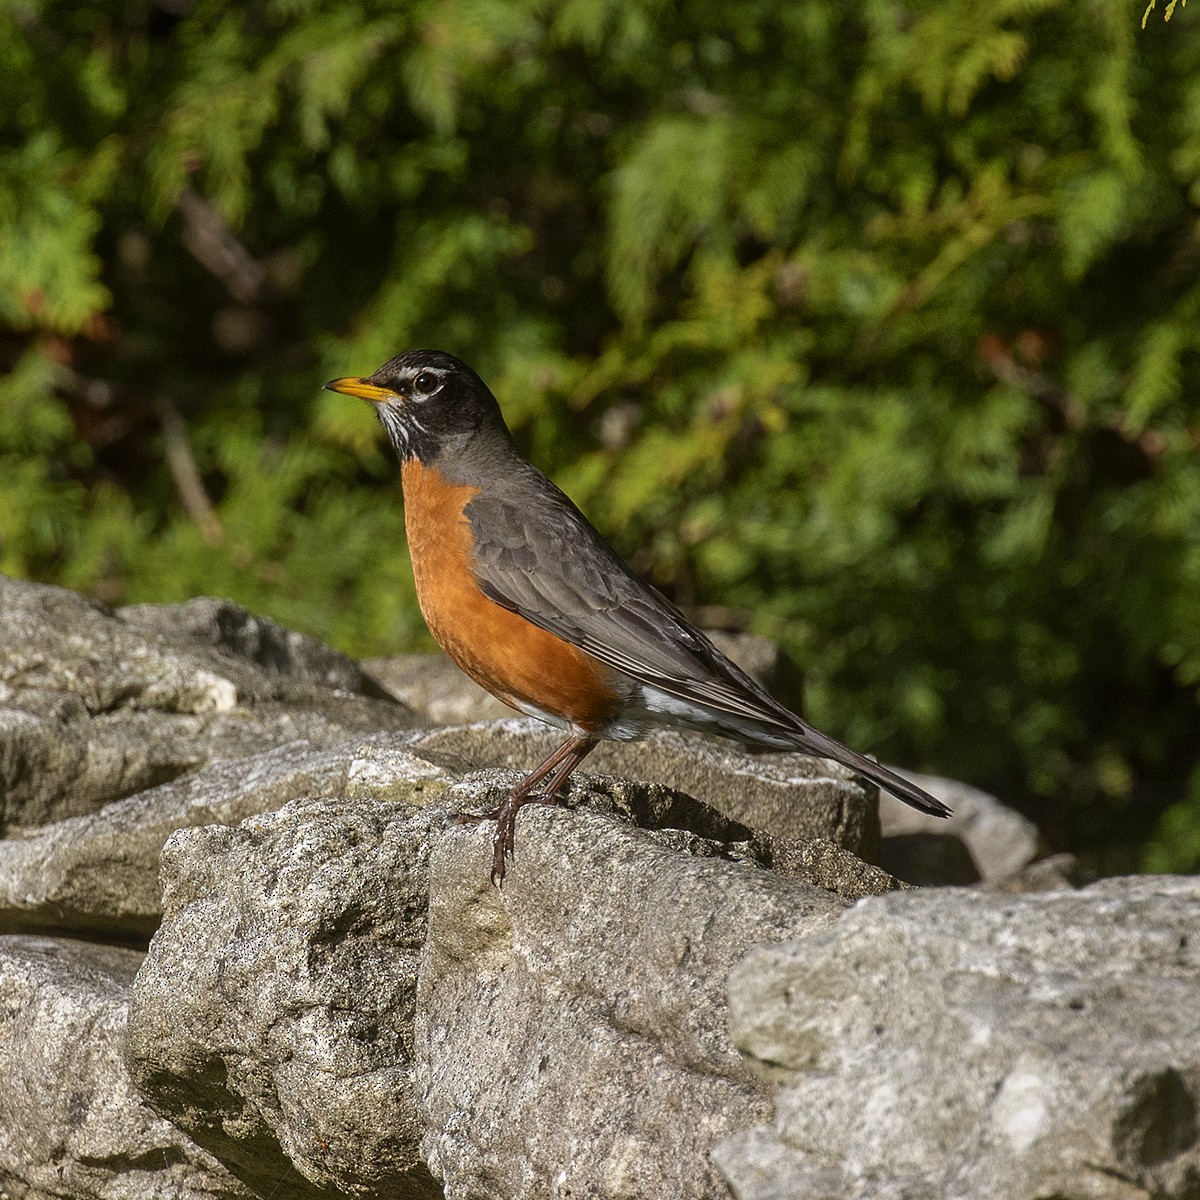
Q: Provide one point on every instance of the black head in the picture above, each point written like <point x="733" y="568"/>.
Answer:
<point x="430" y="403"/>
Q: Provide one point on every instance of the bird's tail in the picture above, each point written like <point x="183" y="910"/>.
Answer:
<point x="815" y="742"/>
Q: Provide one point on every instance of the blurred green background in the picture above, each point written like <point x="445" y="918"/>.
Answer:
<point x="876" y="323"/>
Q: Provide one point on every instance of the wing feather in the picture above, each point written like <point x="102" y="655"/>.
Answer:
<point x="537" y="555"/>
<point x="557" y="572"/>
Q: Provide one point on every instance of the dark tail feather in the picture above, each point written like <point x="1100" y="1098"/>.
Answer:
<point x="817" y="743"/>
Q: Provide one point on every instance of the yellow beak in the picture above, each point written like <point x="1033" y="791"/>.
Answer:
<point x="349" y="386"/>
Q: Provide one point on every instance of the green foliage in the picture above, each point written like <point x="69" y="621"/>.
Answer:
<point x="1168" y="11"/>
<point x="877" y="321"/>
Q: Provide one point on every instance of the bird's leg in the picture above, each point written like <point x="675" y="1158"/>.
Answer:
<point x="558" y="766"/>
<point x="525" y="787"/>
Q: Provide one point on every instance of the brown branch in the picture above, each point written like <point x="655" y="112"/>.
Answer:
<point x="188" y="484"/>
<point x="212" y="243"/>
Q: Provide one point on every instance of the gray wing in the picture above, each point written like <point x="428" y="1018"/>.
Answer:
<point x="546" y="562"/>
<point x="537" y="555"/>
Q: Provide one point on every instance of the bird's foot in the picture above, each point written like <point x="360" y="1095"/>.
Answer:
<point x="505" y="839"/>
<point x="467" y="818"/>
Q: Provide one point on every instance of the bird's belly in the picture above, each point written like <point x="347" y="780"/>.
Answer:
<point x="515" y="660"/>
<point x="650" y="707"/>
<point x="524" y="666"/>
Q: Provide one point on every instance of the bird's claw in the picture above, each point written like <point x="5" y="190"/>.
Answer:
<point x="504" y="841"/>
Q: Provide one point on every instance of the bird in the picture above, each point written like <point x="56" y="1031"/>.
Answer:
<point x="529" y="599"/>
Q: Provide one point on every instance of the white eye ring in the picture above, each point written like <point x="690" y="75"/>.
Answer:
<point x="425" y="383"/>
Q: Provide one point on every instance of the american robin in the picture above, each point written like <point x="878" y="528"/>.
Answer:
<point x="530" y="601"/>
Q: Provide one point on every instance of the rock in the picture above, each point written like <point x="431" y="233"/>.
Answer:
<point x="984" y="839"/>
<point x="432" y="685"/>
<point x="273" y="1019"/>
<point x="790" y="795"/>
<point x="962" y="1043"/>
<point x="338" y="1003"/>
<point x="824" y="865"/>
<point x="1056" y="873"/>
<point x="71" y="1123"/>
<point x="94" y="707"/>
<point x="56" y="769"/>
<point x="235" y="631"/>
<point x="571" y="1027"/>
<point x="99" y="873"/>
<point x="684" y="823"/>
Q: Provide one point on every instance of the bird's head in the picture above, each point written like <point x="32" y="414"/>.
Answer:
<point x="429" y="403"/>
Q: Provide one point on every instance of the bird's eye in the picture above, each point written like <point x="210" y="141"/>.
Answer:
<point x="425" y="383"/>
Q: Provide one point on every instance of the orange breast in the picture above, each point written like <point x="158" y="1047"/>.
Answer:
<point x="501" y="651"/>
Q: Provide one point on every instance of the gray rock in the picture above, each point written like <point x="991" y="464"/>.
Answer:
<point x="71" y="1123"/>
<point x="931" y="1045"/>
<point x="59" y="643"/>
<point x="94" y="708"/>
<point x="339" y="1003"/>
<point x="984" y="839"/>
<point x="824" y="865"/>
<point x="1057" y="872"/>
<point x="57" y="770"/>
<point x="234" y="630"/>
<point x="432" y="685"/>
<point x="99" y="873"/>
<point x="789" y="795"/>
<point x="571" y="1027"/>
<point x="273" y="1017"/>
<point x="680" y="821"/>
